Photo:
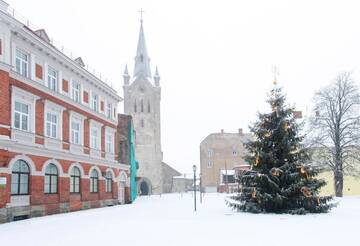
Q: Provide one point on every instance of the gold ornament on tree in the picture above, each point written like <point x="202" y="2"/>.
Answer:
<point x="253" y="193"/>
<point x="276" y="172"/>
<point x="306" y="191"/>
<point x="303" y="171"/>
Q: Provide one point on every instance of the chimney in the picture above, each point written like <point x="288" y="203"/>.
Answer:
<point x="222" y="131"/>
<point x="241" y="131"/>
<point x="4" y="6"/>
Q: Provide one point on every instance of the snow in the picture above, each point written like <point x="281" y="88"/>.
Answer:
<point x="170" y="220"/>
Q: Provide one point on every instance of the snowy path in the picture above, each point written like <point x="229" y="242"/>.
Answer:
<point x="169" y="220"/>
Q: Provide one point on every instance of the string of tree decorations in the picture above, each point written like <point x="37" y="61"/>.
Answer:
<point x="281" y="180"/>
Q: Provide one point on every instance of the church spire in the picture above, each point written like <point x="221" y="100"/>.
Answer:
<point x="142" y="59"/>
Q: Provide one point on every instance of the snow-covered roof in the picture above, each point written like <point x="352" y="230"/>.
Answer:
<point x="227" y="172"/>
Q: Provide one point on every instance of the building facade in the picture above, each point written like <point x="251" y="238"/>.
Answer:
<point x="142" y="94"/>
<point x="221" y="158"/>
<point x="127" y="150"/>
<point x="58" y="129"/>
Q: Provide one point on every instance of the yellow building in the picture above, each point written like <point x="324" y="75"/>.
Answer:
<point x="351" y="184"/>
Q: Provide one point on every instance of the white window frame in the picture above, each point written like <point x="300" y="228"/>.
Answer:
<point x="21" y="116"/>
<point x="94" y="138"/>
<point x="210" y="152"/>
<point x="210" y="164"/>
<point x="75" y="136"/>
<point x="50" y="125"/>
<point x="75" y="91"/>
<point x="24" y="65"/>
<point x="24" y="97"/>
<point x="73" y="116"/>
<point x="109" y="110"/>
<point x="94" y="103"/>
<point x="52" y="79"/>
<point x="57" y="110"/>
<point x="110" y="140"/>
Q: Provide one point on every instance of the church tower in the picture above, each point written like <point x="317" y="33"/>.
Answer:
<point x="142" y="94"/>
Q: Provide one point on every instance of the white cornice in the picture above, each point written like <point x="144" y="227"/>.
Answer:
<point x="17" y="147"/>
<point x="27" y="34"/>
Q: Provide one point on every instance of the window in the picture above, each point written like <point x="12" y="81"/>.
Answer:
<point x="94" y="102"/>
<point x="52" y="79"/>
<point x="148" y="107"/>
<point x="109" y="143"/>
<point x="142" y="106"/>
<point x="20" y="178"/>
<point x="234" y="152"/>
<point x="94" y="138"/>
<point x="75" y="132"/>
<point x="76" y="91"/>
<point x="75" y="179"/>
<point x="108" y="180"/>
<point x="94" y="181"/>
<point x="51" y="179"/>
<point x="108" y="110"/>
<point x="21" y="116"/>
<point x="142" y="123"/>
<point x="210" y="152"/>
<point x="51" y="125"/>
<point x="210" y="164"/>
<point x="22" y="63"/>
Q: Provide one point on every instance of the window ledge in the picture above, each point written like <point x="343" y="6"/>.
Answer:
<point x="19" y="200"/>
<point x="22" y="136"/>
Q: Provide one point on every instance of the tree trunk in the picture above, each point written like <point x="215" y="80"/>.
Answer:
<point x="338" y="183"/>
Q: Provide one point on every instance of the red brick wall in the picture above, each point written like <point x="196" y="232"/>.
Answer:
<point x="39" y="117"/>
<point x="5" y="191"/>
<point x="5" y="104"/>
<point x="86" y="96"/>
<point x="65" y="85"/>
<point x="103" y="139"/>
<point x="86" y="136"/>
<point x="66" y="126"/>
<point x="38" y="71"/>
<point x="102" y="105"/>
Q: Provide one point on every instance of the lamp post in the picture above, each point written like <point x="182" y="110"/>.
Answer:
<point x="194" y="169"/>
<point x="200" y="186"/>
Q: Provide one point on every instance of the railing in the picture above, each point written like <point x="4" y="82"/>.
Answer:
<point x="67" y="52"/>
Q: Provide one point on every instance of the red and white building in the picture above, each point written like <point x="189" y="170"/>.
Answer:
<point x="58" y="129"/>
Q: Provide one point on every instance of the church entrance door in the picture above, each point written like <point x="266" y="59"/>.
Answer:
<point x="144" y="188"/>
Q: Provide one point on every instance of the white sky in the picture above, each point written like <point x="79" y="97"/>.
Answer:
<point x="214" y="57"/>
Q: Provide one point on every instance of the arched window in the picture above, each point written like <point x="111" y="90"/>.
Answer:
<point x="75" y="178"/>
<point x="142" y="106"/>
<point x="135" y="107"/>
<point x="149" y="107"/>
<point x="94" y="181"/>
<point x="108" y="179"/>
<point x="20" y="178"/>
<point x="51" y="179"/>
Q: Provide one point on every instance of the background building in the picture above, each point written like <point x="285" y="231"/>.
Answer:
<point x="58" y="129"/>
<point x="221" y="155"/>
<point x="127" y="150"/>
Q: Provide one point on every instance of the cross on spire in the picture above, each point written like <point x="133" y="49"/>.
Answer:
<point x="141" y="11"/>
<point x="275" y="71"/>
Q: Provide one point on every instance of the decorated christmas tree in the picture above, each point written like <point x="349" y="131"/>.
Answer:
<point x="281" y="180"/>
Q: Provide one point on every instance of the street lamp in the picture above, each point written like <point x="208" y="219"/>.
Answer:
<point x="194" y="169"/>
<point x="200" y="186"/>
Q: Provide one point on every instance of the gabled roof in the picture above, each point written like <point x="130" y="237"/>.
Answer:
<point x="80" y="61"/>
<point x="43" y="35"/>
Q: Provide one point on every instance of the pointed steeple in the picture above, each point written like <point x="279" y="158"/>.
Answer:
<point x="142" y="59"/>
<point x="157" y="77"/>
<point x="126" y="76"/>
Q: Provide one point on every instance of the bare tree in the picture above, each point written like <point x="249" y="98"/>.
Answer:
<point x="335" y="128"/>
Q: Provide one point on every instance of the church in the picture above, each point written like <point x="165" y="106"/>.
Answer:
<point x="142" y="95"/>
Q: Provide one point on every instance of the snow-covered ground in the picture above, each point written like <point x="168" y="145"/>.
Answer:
<point x="170" y="220"/>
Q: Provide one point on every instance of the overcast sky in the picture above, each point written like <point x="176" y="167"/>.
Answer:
<point x="214" y="57"/>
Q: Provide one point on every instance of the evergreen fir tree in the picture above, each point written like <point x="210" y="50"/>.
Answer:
<point x="281" y="179"/>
